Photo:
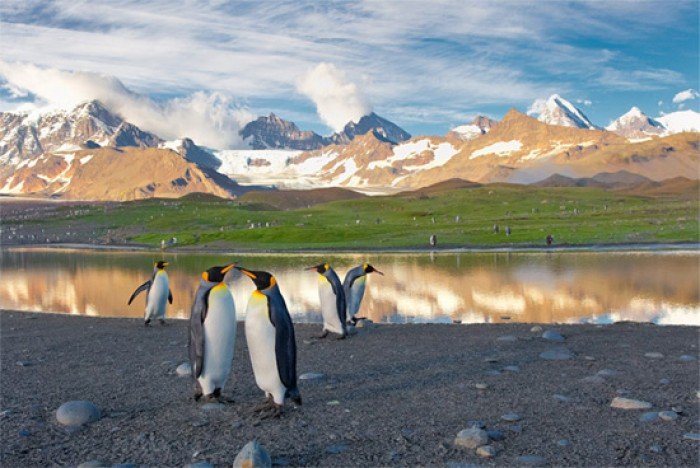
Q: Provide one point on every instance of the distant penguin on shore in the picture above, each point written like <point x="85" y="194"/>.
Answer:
<point x="354" y="287"/>
<point x="269" y="332"/>
<point x="332" y="297"/>
<point x="157" y="292"/>
<point x="212" y="334"/>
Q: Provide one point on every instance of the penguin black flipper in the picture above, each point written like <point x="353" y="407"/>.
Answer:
<point x="196" y="342"/>
<point x="144" y="287"/>
<point x="285" y="344"/>
<point x="170" y="296"/>
<point x="339" y="292"/>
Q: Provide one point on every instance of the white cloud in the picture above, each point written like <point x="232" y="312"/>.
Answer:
<point x="687" y="95"/>
<point x="585" y="102"/>
<point x="537" y="106"/>
<point x="338" y="100"/>
<point x="210" y="119"/>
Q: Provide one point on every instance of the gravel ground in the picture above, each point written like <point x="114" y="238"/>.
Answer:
<point x="392" y="395"/>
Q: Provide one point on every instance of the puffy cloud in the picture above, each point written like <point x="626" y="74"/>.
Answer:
<point x="210" y="119"/>
<point x="585" y="102"/>
<point x="687" y="95"/>
<point x="338" y="100"/>
<point x="537" y="106"/>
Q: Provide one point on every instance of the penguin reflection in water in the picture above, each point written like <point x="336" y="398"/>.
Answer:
<point x="269" y="332"/>
<point x="212" y="334"/>
<point x="354" y="287"/>
<point x="332" y="297"/>
<point x="157" y="292"/>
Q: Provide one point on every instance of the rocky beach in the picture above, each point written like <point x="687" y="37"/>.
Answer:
<point x="391" y="395"/>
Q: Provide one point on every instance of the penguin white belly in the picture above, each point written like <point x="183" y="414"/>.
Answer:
<point x="260" y="335"/>
<point x="158" y="296"/>
<point x="357" y="292"/>
<point x="219" y="334"/>
<point x="329" y="310"/>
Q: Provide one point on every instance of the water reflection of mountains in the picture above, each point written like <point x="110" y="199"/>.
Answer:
<point x="561" y="287"/>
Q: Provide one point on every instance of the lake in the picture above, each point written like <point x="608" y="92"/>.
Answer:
<point x="544" y="287"/>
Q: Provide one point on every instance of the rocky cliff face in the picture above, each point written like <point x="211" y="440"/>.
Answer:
<point x="273" y="132"/>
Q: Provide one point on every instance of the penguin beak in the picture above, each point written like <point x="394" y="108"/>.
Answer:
<point x="377" y="271"/>
<point x="227" y="268"/>
<point x="249" y="274"/>
<point x="311" y="268"/>
<point x="165" y="264"/>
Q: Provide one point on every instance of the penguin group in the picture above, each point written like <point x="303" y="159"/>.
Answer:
<point x="269" y="329"/>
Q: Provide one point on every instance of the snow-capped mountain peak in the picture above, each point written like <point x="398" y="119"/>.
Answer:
<point x="559" y="111"/>
<point x="636" y="125"/>
<point x="681" y="121"/>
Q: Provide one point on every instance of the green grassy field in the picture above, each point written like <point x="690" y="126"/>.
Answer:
<point x="571" y="215"/>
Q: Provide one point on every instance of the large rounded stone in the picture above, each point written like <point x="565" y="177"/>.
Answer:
<point x="552" y="335"/>
<point x="252" y="455"/>
<point x="557" y="354"/>
<point x="77" y="413"/>
<point x="184" y="370"/>
<point x="471" y="438"/>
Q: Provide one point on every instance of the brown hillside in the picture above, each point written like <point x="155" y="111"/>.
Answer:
<point x="292" y="199"/>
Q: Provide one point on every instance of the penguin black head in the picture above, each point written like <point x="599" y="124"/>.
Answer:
<point x="161" y="265"/>
<point x="370" y="269"/>
<point x="262" y="279"/>
<point x="321" y="268"/>
<point x="216" y="274"/>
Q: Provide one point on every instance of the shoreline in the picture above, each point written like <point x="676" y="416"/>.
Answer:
<point x="392" y="395"/>
<point x="528" y="248"/>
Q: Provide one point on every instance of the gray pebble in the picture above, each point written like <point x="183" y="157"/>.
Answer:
<point x="311" y="376"/>
<point x="686" y="358"/>
<point x="536" y="329"/>
<point x="668" y="415"/>
<point x="511" y="417"/>
<point x="184" y="370"/>
<point x="607" y="373"/>
<point x="654" y="355"/>
<point x="199" y="464"/>
<point x="77" y="413"/>
<point x="491" y="359"/>
<point x="552" y="335"/>
<point x="589" y="358"/>
<point x="656" y="448"/>
<point x="24" y="363"/>
<point x="593" y="379"/>
<point x="563" y="443"/>
<point x="629" y="404"/>
<point x="511" y="369"/>
<point x="486" y="451"/>
<point x="532" y="460"/>
<point x="557" y="354"/>
<point x="664" y="381"/>
<point x="622" y="391"/>
<point x="649" y="417"/>
<point x="471" y="438"/>
<point x="515" y="428"/>
<point x="495" y="435"/>
<point x="252" y="455"/>
<point x="280" y="462"/>
<point x="481" y="386"/>
<point x="692" y="436"/>
<point x="492" y="372"/>
<point x="562" y="398"/>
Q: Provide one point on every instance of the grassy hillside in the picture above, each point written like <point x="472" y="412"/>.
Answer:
<point x="571" y="215"/>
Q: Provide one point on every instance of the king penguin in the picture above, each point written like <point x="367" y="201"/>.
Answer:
<point x="354" y="287"/>
<point x="332" y="297"/>
<point x="212" y="333"/>
<point x="157" y="292"/>
<point x="269" y="332"/>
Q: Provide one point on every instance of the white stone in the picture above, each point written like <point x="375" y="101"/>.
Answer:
<point x="629" y="404"/>
<point x="184" y="370"/>
<point x="471" y="438"/>
<point x="252" y="455"/>
<point x="77" y="413"/>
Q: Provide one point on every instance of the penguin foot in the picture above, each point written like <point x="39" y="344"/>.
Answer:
<point x="322" y="335"/>
<point x="162" y="321"/>
<point x="211" y="398"/>
<point x="340" y="337"/>
<point x="147" y="323"/>
<point x="273" y="411"/>
<point x="264" y="406"/>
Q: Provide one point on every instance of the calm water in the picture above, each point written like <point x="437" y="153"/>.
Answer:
<point x="567" y="287"/>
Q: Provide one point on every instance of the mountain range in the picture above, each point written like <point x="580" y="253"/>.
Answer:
<point x="90" y="152"/>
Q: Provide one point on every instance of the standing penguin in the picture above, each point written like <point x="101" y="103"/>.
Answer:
<point x="332" y="297"/>
<point x="157" y="292"/>
<point x="269" y="332"/>
<point x="212" y="333"/>
<point x="354" y="287"/>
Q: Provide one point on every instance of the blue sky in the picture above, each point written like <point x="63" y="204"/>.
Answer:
<point x="427" y="66"/>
